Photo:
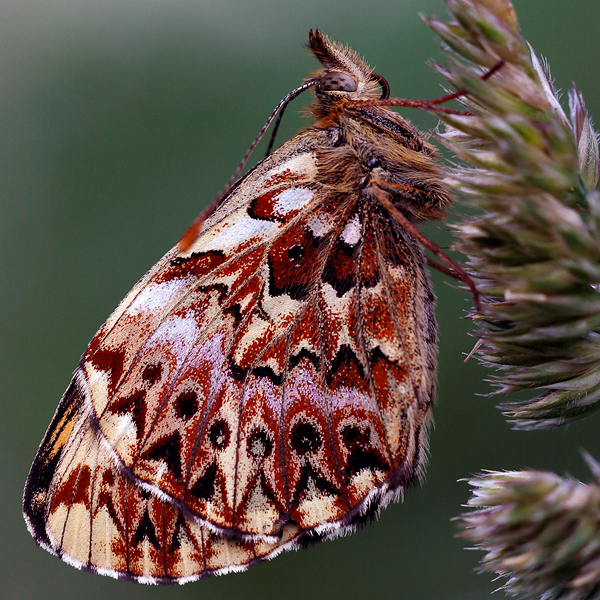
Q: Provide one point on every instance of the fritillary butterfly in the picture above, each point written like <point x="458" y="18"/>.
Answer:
<point x="269" y="382"/>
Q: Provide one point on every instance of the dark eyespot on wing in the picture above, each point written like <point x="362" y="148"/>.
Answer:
<point x="260" y="444"/>
<point x="219" y="435"/>
<point x="167" y="450"/>
<point x="305" y="438"/>
<point x="186" y="405"/>
<point x="204" y="488"/>
<point x="152" y="373"/>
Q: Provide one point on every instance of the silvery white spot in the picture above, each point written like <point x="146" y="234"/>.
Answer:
<point x="320" y="224"/>
<point x="292" y="199"/>
<point x="125" y="426"/>
<point x="238" y="228"/>
<point x="241" y="229"/>
<point x="302" y="164"/>
<point x="351" y="233"/>
<point x="350" y="398"/>
<point x="154" y="296"/>
<point x="177" y="333"/>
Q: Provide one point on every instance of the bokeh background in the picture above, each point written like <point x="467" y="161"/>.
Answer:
<point x="119" y="121"/>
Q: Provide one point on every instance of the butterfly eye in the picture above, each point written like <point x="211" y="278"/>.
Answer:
<point x="335" y="81"/>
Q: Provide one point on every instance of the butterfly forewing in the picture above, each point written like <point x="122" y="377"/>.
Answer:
<point x="269" y="383"/>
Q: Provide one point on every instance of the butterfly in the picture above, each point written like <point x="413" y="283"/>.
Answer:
<point x="269" y="382"/>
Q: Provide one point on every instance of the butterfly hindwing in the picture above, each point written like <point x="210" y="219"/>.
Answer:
<point x="81" y="507"/>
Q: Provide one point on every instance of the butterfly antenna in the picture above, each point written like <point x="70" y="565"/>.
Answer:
<point x="280" y="107"/>
<point x="275" y="129"/>
<point x="190" y="235"/>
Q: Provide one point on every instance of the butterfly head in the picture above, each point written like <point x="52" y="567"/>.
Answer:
<point x="344" y="76"/>
<point x="375" y="146"/>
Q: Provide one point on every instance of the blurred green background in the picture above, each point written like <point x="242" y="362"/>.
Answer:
<point x="119" y="121"/>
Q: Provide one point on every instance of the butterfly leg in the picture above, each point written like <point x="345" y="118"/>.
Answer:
<point x="460" y="93"/>
<point x="452" y="269"/>
<point x="434" y="104"/>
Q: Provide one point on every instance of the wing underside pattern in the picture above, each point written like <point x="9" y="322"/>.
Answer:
<point x="85" y="510"/>
<point x="268" y="387"/>
<point x="272" y="364"/>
